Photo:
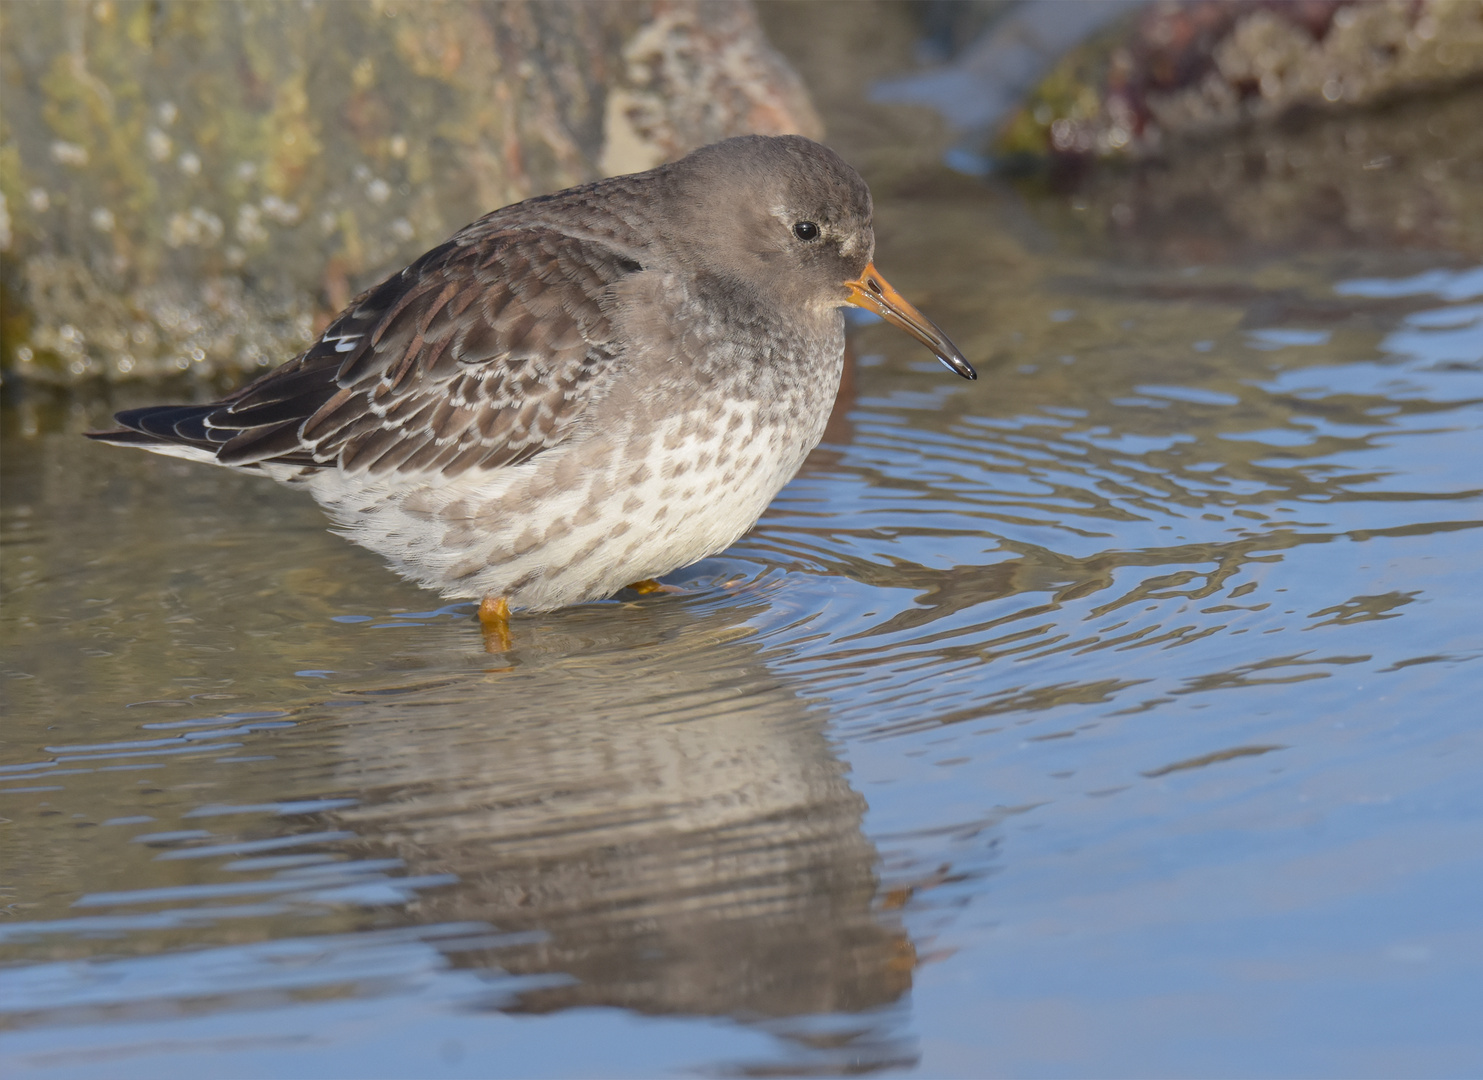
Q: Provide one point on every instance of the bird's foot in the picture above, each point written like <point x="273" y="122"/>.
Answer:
<point x="649" y="587"/>
<point x="494" y="620"/>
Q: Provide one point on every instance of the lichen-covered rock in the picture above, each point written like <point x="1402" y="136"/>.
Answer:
<point x="1198" y="67"/>
<point x="194" y="187"/>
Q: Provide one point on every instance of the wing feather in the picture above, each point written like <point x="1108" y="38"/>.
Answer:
<point x="483" y="352"/>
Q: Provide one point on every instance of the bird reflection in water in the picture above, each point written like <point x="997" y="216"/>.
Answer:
<point x="673" y="821"/>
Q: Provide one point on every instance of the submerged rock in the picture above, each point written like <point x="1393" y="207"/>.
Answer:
<point x="1408" y="175"/>
<point x="197" y="187"/>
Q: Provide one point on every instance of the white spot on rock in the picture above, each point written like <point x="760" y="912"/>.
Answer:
<point x="159" y="145"/>
<point x="285" y="213"/>
<point x="249" y="226"/>
<point x="66" y="153"/>
<point x="198" y="226"/>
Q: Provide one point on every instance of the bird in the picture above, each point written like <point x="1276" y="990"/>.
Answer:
<point x="576" y="393"/>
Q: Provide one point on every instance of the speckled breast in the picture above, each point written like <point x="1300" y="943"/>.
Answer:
<point x="646" y="494"/>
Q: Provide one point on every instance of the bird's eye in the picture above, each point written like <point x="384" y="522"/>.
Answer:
<point x="806" y="230"/>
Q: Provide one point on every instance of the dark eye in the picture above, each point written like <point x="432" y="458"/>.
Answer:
<point x="806" y="230"/>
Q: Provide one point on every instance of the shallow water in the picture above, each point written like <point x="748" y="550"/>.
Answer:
<point x="1114" y="714"/>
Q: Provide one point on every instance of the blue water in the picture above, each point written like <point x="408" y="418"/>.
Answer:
<point x="1115" y="715"/>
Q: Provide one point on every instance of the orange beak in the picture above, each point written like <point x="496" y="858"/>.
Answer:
<point x="873" y="293"/>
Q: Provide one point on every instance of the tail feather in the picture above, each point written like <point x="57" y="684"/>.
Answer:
<point x="188" y="431"/>
<point x="176" y="430"/>
<point x="173" y="423"/>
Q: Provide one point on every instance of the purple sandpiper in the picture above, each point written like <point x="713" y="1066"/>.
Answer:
<point x="580" y="391"/>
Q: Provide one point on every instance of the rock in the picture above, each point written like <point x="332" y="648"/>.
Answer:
<point x="1014" y="52"/>
<point x="1196" y="68"/>
<point x="196" y="188"/>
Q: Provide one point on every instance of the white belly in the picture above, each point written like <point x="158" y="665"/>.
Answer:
<point x="582" y="520"/>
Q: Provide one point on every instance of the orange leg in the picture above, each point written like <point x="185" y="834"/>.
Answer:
<point x="494" y="620"/>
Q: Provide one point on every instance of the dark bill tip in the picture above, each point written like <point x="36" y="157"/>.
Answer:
<point x="874" y="293"/>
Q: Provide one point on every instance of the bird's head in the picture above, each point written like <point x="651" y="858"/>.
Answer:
<point x="787" y="219"/>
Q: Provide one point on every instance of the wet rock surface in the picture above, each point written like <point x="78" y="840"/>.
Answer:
<point x="196" y="187"/>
